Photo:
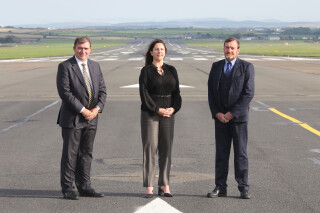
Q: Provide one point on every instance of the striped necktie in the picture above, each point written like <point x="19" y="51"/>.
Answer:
<point x="87" y="81"/>
<point x="229" y="68"/>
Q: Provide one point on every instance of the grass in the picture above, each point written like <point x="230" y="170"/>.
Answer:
<point x="50" y="47"/>
<point x="275" y="48"/>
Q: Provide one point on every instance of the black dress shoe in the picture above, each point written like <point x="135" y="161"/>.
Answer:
<point x="91" y="193"/>
<point x="217" y="193"/>
<point x="148" y="196"/>
<point x="70" y="195"/>
<point x="245" y="194"/>
<point x="162" y="194"/>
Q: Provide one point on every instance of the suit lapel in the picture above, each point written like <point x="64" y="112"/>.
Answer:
<point x="78" y="72"/>
<point x="233" y="73"/>
<point x="235" y="68"/>
<point x="219" y="74"/>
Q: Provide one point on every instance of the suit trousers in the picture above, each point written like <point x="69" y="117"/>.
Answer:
<point x="157" y="138"/>
<point x="76" y="158"/>
<point x="224" y="135"/>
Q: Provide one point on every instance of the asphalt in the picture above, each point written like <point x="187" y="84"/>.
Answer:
<point x="284" y="158"/>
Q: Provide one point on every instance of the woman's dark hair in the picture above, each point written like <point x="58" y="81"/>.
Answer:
<point x="148" y="55"/>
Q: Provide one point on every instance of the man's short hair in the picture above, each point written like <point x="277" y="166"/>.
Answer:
<point x="231" y="39"/>
<point x="81" y="40"/>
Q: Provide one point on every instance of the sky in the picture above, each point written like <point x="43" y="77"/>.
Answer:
<point x="18" y="12"/>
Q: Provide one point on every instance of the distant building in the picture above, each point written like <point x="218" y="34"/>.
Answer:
<point x="271" y="38"/>
<point x="248" y="38"/>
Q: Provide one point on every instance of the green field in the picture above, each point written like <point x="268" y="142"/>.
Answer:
<point x="50" y="47"/>
<point x="57" y="47"/>
<point x="277" y="48"/>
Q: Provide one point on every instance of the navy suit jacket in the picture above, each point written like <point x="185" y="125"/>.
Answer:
<point x="241" y="90"/>
<point x="73" y="93"/>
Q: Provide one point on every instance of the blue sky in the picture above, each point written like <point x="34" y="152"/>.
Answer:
<point x="13" y="12"/>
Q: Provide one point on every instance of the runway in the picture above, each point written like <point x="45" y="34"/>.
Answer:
<point x="284" y="157"/>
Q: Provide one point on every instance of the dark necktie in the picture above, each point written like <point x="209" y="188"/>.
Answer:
<point x="87" y="81"/>
<point x="229" y="68"/>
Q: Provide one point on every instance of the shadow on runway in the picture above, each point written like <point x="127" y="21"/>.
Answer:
<point x="30" y="193"/>
<point x="54" y="194"/>
<point x="26" y="193"/>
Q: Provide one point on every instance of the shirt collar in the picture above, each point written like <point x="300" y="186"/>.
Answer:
<point x="81" y="62"/>
<point x="232" y="62"/>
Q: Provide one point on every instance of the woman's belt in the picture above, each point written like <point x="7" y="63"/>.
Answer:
<point x="161" y="96"/>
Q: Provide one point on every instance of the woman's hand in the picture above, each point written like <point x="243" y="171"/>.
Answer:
<point x="166" y="112"/>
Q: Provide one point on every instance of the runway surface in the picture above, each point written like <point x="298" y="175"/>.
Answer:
<point x="283" y="146"/>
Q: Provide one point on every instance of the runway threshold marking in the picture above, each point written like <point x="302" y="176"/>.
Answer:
<point x="302" y="124"/>
<point x="28" y="118"/>
<point x="157" y="206"/>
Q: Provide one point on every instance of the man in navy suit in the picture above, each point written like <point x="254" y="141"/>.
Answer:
<point x="230" y="91"/>
<point x="82" y="90"/>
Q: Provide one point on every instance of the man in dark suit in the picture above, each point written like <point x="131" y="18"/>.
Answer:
<point x="230" y="90"/>
<point x="82" y="90"/>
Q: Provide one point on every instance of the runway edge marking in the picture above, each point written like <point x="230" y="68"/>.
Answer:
<point x="302" y="124"/>
<point x="28" y="118"/>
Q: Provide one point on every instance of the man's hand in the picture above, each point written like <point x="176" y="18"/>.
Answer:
<point x="86" y="114"/>
<point x="221" y="117"/>
<point x="90" y="114"/>
<point x="228" y="116"/>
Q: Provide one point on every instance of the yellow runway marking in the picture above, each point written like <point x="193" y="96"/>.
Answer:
<point x="304" y="125"/>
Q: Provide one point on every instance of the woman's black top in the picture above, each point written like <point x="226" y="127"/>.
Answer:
<point x="159" y="91"/>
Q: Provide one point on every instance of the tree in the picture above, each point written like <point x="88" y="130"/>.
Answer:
<point x="10" y="39"/>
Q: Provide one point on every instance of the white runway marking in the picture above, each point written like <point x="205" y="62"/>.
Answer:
<point x="315" y="160"/>
<point x="137" y="86"/>
<point x="198" y="50"/>
<point x="272" y="59"/>
<point x="28" y="118"/>
<point x="250" y="59"/>
<point x="315" y="150"/>
<point x="201" y="59"/>
<point x="57" y="60"/>
<point x="185" y="86"/>
<point x="183" y="52"/>
<point x="110" y="59"/>
<point x="302" y="59"/>
<point x="135" y="59"/>
<point x="99" y="53"/>
<point x="258" y="109"/>
<point x="157" y="206"/>
<point x="130" y="86"/>
<point x="263" y="104"/>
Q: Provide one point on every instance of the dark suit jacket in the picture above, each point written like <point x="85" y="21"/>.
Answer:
<point x="73" y="92"/>
<point x="241" y="90"/>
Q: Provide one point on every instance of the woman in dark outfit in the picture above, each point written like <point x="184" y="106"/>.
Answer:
<point x="160" y="100"/>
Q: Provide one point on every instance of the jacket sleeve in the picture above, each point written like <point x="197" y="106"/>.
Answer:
<point x="176" y="97"/>
<point x="144" y="93"/>
<point x="64" y="89"/>
<point x="211" y="98"/>
<point x="247" y="92"/>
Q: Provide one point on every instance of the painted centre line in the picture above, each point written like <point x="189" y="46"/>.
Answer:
<point x="304" y="125"/>
<point x="28" y="118"/>
<point x="157" y="206"/>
